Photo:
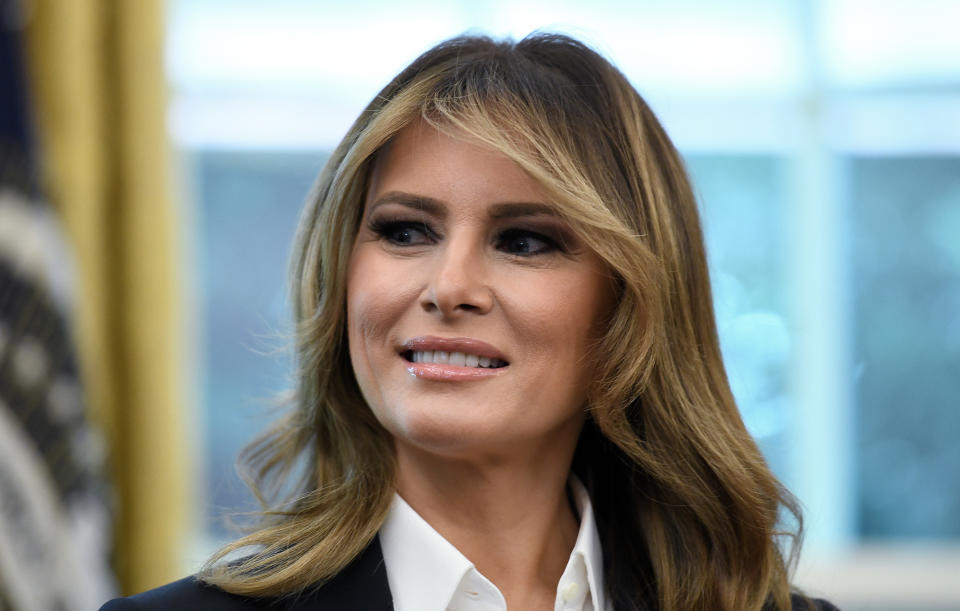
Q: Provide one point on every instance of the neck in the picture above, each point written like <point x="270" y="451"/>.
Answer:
<point x="509" y="516"/>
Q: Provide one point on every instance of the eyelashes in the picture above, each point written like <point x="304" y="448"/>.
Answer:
<point x="516" y="241"/>
<point x="403" y="233"/>
<point x="524" y="243"/>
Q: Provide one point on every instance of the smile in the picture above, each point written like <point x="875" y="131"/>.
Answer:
<point x="452" y="359"/>
<point x="457" y="359"/>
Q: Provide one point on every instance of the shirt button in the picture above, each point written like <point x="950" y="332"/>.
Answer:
<point x="569" y="591"/>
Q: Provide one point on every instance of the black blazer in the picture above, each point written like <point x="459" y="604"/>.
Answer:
<point x="362" y="586"/>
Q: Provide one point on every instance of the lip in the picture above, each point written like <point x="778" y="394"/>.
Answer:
<point x="453" y="344"/>
<point x="452" y="373"/>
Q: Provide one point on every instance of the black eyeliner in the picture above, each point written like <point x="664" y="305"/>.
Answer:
<point x="551" y="244"/>
<point x="384" y="227"/>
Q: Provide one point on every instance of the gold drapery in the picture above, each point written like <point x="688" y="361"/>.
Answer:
<point x="98" y="83"/>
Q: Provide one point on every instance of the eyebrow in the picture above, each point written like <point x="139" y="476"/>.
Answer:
<point x="437" y="207"/>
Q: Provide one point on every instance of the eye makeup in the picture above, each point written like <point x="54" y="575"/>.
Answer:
<point x="401" y="232"/>
<point x="517" y="229"/>
<point x="514" y="240"/>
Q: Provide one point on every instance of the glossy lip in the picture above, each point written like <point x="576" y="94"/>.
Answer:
<point x="452" y="373"/>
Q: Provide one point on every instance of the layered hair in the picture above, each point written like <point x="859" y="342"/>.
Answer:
<point x="686" y="508"/>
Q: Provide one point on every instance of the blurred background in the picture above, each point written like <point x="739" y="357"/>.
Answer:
<point x="174" y="142"/>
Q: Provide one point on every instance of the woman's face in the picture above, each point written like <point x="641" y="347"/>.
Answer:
<point x="471" y="307"/>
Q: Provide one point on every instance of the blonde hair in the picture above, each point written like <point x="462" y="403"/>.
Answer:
<point x="686" y="506"/>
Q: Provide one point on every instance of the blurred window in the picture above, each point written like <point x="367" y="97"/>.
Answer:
<point x="245" y="208"/>
<point x="906" y="249"/>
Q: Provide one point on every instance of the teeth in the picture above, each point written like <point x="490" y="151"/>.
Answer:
<point x="459" y="359"/>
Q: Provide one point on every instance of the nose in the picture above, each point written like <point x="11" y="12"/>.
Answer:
<point x="458" y="282"/>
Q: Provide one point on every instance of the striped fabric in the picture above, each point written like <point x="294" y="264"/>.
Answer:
<point x="54" y="513"/>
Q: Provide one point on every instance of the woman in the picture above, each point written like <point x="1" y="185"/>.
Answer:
<point x="510" y="390"/>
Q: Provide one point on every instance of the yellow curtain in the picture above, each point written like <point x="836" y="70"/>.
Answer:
<point x="99" y="93"/>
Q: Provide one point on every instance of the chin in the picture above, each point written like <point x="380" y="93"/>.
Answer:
<point x="446" y="437"/>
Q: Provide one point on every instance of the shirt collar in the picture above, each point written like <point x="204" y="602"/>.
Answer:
<point x="587" y="546"/>
<point x="424" y="570"/>
<point x="437" y="574"/>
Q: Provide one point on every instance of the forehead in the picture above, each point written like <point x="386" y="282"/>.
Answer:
<point x="449" y="166"/>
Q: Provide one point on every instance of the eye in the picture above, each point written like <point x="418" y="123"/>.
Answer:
<point x="524" y="243"/>
<point x="403" y="233"/>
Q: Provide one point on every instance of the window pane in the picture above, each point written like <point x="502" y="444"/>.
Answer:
<point x="246" y="212"/>
<point x="742" y="206"/>
<point x="906" y="214"/>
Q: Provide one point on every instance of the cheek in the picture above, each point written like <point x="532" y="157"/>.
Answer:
<point x="367" y="309"/>
<point x="377" y="297"/>
<point x="369" y="314"/>
<point x="561" y="316"/>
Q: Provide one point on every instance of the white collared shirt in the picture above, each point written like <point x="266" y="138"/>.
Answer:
<point x="427" y="573"/>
